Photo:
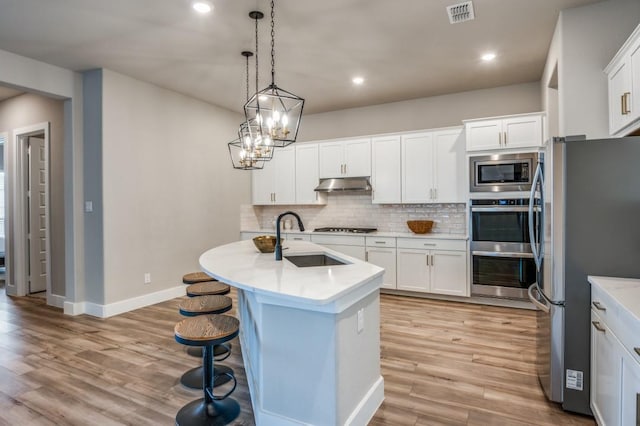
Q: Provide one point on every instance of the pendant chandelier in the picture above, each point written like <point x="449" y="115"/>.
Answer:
<point x="251" y="149"/>
<point x="276" y="112"/>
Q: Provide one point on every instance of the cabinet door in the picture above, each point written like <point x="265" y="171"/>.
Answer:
<point x="284" y="168"/>
<point x="634" y="57"/>
<point x="262" y="184"/>
<point x="449" y="273"/>
<point x="357" y="157"/>
<point x="630" y="410"/>
<point x="485" y="134"/>
<point x="521" y="132"/>
<point x="413" y="271"/>
<point x="619" y="97"/>
<point x="307" y="175"/>
<point x="384" y="258"/>
<point x="417" y="168"/>
<point x="605" y="373"/>
<point x="448" y="165"/>
<point x="385" y="170"/>
<point x="330" y="159"/>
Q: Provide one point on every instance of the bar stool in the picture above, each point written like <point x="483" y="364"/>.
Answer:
<point x="196" y="277"/>
<point x="203" y="305"/>
<point x="207" y="331"/>
<point x="207" y="289"/>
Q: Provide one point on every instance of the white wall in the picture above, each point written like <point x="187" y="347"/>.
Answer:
<point x="585" y="41"/>
<point x="169" y="190"/>
<point x="424" y="113"/>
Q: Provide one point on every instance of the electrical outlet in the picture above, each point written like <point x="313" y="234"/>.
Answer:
<point x="360" y="320"/>
<point x="147" y="278"/>
<point x="88" y="206"/>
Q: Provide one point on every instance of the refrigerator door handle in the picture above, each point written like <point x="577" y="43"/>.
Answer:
<point x="544" y="308"/>
<point x="532" y="231"/>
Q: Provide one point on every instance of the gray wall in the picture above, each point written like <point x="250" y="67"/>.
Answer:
<point x="424" y="113"/>
<point x="169" y="191"/>
<point x="585" y="41"/>
<point x="25" y="110"/>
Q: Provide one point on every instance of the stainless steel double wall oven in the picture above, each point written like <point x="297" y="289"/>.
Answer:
<point x="500" y="208"/>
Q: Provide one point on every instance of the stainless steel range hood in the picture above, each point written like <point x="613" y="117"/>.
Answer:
<point x="344" y="184"/>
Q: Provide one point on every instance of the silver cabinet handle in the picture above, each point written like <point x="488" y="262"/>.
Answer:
<point x="435" y="193"/>
<point x="505" y="138"/>
<point x="598" y="326"/>
<point x="429" y="244"/>
<point x="624" y="100"/>
<point x="500" y="138"/>
<point x="297" y="238"/>
<point x="366" y="256"/>
<point x="427" y="256"/>
<point x="431" y="193"/>
<point x="622" y="108"/>
<point x="637" y="350"/>
<point x="380" y="242"/>
<point x="599" y="306"/>
<point x="345" y="169"/>
<point x="432" y="261"/>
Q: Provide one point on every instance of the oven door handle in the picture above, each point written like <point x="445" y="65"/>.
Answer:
<point x="502" y="209"/>
<point x="510" y="254"/>
<point x="543" y="307"/>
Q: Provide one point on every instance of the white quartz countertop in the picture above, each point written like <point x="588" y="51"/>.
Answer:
<point x="241" y="265"/>
<point x="370" y="234"/>
<point x="625" y="291"/>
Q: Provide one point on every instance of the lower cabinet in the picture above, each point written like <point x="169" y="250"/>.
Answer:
<point x="630" y="401"/>
<point x="350" y="245"/>
<point x="432" y="266"/>
<point x="605" y="373"/>
<point x="381" y="251"/>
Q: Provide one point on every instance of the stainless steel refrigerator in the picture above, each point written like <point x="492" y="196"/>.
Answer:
<point x="588" y="224"/>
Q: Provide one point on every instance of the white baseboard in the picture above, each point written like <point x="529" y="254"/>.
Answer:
<point x="368" y="406"/>
<point x="120" y="307"/>
<point x="55" y="300"/>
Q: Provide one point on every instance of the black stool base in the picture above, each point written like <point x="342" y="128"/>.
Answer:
<point x="197" y="413"/>
<point x="218" y="350"/>
<point x="192" y="379"/>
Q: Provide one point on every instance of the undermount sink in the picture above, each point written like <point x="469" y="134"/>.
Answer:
<point x="314" y="259"/>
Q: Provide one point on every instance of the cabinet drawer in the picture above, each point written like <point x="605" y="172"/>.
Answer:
<point x="606" y="308"/>
<point x="297" y="237"/>
<point x="432" y="244"/>
<point x="345" y="240"/>
<point x="380" y="241"/>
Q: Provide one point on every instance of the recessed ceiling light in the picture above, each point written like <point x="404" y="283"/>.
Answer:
<point x="488" y="57"/>
<point x="358" y="81"/>
<point x="202" y="6"/>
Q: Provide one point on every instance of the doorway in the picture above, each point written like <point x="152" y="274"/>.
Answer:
<point x="28" y="261"/>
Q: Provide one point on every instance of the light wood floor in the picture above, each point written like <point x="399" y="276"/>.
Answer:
<point x="443" y="363"/>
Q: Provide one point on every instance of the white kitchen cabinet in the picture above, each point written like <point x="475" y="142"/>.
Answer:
<point x="381" y="251"/>
<point x="615" y="351"/>
<point x="514" y="131"/>
<point x="386" y="170"/>
<point x="345" y="158"/>
<point x="432" y="266"/>
<point x="433" y="166"/>
<point x="351" y="245"/>
<point x="307" y="175"/>
<point x="623" y="75"/>
<point x="275" y="183"/>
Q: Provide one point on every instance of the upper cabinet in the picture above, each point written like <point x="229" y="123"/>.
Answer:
<point x="385" y="170"/>
<point x="623" y="74"/>
<point x="433" y="166"/>
<point x="307" y="175"/>
<point x="514" y="131"/>
<point x="345" y="158"/>
<point x="275" y="183"/>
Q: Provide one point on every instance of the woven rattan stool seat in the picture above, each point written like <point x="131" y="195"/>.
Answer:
<point x="206" y="330"/>
<point x="197" y="277"/>
<point x="201" y="305"/>
<point x="209" y="288"/>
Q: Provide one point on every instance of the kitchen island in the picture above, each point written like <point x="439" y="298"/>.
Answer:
<point x="310" y="336"/>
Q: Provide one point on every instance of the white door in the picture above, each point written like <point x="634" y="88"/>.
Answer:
<point x="262" y="184"/>
<point x="385" y="170"/>
<point x="619" y="85"/>
<point x="284" y="168"/>
<point x="523" y="131"/>
<point x="634" y="58"/>
<point x="417" y="171"/>
<point x="384" y="258"/>
<point x="307" y="175"/>
<point x="412" y="270"/>
<point x="449" y="273"/>
<point x="37" y="223"/>
<point x="605" y="373"/>
<point x="331" y="159"/>
<point x="448" y="166"/>
<point x="630" y="388"/>
<point x="357" y="157"/>
<point x="485" y="134"/>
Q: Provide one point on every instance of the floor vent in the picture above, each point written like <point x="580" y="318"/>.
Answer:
<point x="460" y="12"/>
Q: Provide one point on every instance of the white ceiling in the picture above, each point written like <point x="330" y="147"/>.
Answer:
<point x="404" y="49"/>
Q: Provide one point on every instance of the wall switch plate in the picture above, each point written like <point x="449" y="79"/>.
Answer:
<point x="360" y="320"/>
<point x="147" y="278"/>
<point x="88" y="206"/>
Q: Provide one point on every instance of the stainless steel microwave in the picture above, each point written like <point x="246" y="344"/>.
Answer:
<point x="502" y="172"/>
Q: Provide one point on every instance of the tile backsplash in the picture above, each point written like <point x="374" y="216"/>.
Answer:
<point x="356" y="210"/>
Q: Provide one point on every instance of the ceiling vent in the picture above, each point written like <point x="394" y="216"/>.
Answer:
<point x="460" y="12"/>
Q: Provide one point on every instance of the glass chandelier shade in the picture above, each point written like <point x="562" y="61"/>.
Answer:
<point x="276" y="111"/>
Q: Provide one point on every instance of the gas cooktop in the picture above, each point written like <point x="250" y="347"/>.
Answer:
<point x="346" y="229"/>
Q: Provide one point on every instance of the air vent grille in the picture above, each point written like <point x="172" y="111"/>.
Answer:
<point x="460" y="12"/>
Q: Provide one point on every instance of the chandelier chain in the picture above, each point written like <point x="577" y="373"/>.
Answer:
<point x="257" y="54"/>
<point x="273" y="52"/>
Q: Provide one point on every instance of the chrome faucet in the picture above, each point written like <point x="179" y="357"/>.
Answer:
<point x="278" y="249"/>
